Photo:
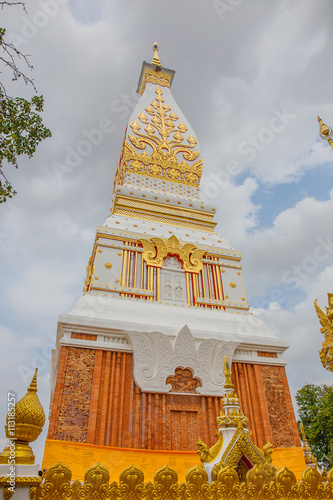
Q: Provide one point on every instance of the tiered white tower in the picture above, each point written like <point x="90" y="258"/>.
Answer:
<point x="163" y="304"/>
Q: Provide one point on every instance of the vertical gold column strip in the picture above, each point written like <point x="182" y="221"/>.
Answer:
<point x="202" y="277"/>
<point x="141" y="277"/>
<point x="188" y="289"/>
<point x="158" y="292"/>
<point x="209" y="283"/>
<point x="123" y="274"/>
<point x="195" y="286"/>
<point x="128" y="268"/>
<point x="135" y="268"/>
<point x="218" y="281"/>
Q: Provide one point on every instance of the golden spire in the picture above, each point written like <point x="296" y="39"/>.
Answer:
<point x="232" y="414"/>
<point x="24" y="423"/>
<point x="227" y="372"/>
<point x="156" y="59"/>
<point x="325" y="132"/>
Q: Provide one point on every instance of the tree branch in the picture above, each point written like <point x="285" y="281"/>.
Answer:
<point x="14" y="3"/>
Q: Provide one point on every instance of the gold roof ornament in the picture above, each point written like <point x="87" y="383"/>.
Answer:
<point x="156" y="59"/>
<point x="24" y="423"/>
<point x="227" y="372"/>
<point x="326" y="321"/>
<point x="232" y="428"/>
<point x="232" y="414"/>
<point x="325" y="132"/>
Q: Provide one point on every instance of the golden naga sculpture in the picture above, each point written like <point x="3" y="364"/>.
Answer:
<point x="325" y="132"/>
<point x="268" y="452"/>
<point x="132" y="485"/>
<point x="326" y="321"/>
<point x="209" y="454"/>
<point x="155" y="251"/>
<point x="24" y="423"/>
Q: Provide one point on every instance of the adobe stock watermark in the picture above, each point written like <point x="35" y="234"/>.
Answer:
<point x="39" y="357"/>
<point x="40" y="19"/>
<point x="254" y="143"/>
<point x="249" y="148"/>
<point x="298" y="273"/>
<point x="225" y="7"/>
<point x="93" y="138"/>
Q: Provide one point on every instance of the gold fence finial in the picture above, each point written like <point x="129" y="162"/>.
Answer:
<point x="24" y="423"/>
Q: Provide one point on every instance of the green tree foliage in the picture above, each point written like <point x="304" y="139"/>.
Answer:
<point x="21" y="126"/>
<point x="315" y="408"/>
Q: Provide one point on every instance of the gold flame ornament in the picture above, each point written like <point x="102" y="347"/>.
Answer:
<point x="24" y="423"/>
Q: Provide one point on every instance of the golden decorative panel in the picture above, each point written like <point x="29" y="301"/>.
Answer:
<point x="258" y="484"/>
<point x="156" y="77"/>
<point x="165" y="208"/>
<point x="155" y="251"/>
<point x="164" y="220"/>
<point x="164" y="141"/>
<point x="326" y="321"/>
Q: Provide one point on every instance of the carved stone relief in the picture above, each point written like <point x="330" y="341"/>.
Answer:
<point x="173" y="284"/>
<point x="156" y="357"/>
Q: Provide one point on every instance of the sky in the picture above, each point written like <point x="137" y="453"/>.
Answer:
<point x="251" y="78"/>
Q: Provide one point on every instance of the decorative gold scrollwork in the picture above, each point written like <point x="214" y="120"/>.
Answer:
<point x="197" y="483"/>
<point x="156" y="250"/>
<point x="156" y="77"/>
<point x="166" y="144"/>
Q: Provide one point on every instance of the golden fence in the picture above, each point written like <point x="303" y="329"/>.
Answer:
<point x="57" y="485"/>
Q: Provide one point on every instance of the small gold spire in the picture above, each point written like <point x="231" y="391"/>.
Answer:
<point x="227" y="372"/>
<point x="156" y="59"/>
<point x="325" y="132"/>
<point x="33" y="384"/>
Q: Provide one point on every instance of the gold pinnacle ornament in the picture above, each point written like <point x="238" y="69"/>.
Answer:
<point x="156" y="59"/>
<point x="325" y="132"/>
<point x="24" y="423"/>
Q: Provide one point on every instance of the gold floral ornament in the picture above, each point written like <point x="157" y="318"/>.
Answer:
<point x="155" y="250"/>
<point x="326" y="321"/>
<point x="24" y="423"/>
<point x="164" y="146"/>
<point x="258" y="484"/>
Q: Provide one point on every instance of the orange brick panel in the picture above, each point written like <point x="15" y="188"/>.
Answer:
<point x="281" y="416"/>
<point x="72" y="422"/>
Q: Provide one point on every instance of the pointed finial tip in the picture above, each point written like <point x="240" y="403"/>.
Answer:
<point x="156" y="59"/>
<point x="33" y="385"/>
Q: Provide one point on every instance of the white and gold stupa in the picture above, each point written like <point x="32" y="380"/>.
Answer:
<point x="139" y="359"/>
